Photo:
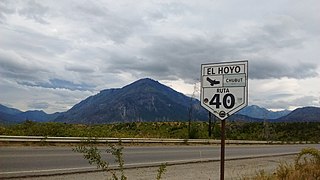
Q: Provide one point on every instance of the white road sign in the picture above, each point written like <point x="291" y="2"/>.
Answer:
<point x="224" y="87"/>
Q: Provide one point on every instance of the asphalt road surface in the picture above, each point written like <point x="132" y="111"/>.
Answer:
<point x="28" y="161"/>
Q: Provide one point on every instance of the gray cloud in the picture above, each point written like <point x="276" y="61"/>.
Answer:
<point x="102" y="21"/>
<point x="59" y="84"/>
<point x="180" y="58"/>
<point x="278" y="32"/>
<point x="296" y="102"/>
<point x="38" y="105"/>
<point x="5" y="9"/>
<point x="273" y="69"/>
<point x="34" y="11"/>
<point x="26" y="40"/>
<point x="23" y="97"/>
<point x="79" y="68"/>
<point x="170" y="58"/>
<point x="16" y="67"/>
<point x="81" y="45"/>
<point x="280" y="95"/>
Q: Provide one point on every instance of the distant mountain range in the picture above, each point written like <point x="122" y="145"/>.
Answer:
<point x="305" y="114"/>
<point x="11" y="115"/>
<point x="262" y="113"/>
<point x="149" y="100"/>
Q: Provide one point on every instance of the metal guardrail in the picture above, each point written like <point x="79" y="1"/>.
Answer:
<point x="126" y="140"/>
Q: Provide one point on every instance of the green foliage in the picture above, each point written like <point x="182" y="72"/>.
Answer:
<point x="116" y="151"/>
<point x="93" y="155"/>
<point x="162" y="169"/>
<point x="298" y="131"/>
<point x="194" y="133"/>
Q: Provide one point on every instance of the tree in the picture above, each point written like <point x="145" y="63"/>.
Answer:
<point x="191" y="106"/>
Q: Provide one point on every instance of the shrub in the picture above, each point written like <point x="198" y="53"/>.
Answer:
<point x="93" y="155"/>
<point x="306" y="167"/>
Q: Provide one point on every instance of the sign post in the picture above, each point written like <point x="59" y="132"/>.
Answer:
<point x="224" y="91"/>
<point x="222" y="151"/>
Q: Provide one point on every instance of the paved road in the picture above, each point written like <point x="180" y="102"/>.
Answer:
<point x="22" y="161"/>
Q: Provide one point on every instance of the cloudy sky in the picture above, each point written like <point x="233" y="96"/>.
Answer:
<point x="53" y="54"/>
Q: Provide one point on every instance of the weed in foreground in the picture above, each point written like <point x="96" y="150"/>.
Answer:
<point x="162" y="169"/>
<point x="93" y="155"/>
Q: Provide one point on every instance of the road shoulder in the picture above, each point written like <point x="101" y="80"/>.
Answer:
<point x="234" y="169"/>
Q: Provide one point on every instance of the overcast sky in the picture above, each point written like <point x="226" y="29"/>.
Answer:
<point x="53" y="54"/>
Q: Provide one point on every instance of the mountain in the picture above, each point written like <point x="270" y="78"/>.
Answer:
<point x="7" y="115"/>
<point x="148" y="100"/>
<point x="143" y="100"/>
<point x="262" y="113"/>
<point x="36" y="115"/>
<point x="7" y="110"/>
<point x="11" y="115"/>
<point x="305" y="114"/>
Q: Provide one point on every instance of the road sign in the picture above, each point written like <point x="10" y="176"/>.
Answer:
<point x="224" y="87"/>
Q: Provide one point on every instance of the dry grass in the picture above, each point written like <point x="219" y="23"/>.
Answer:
<point x="305" y="167"/>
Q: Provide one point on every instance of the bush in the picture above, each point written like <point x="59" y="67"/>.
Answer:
<point x="306" y="167"/>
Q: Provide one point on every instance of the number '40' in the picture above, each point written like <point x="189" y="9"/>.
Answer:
<point x="228" y="101"/>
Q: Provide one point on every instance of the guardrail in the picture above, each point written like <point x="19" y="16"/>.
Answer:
<point x="126" y="140"/>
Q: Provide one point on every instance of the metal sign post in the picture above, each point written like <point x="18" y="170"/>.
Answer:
<point x="224" y="91"/>
<point x="223" y="138"/>
<point x="210" y="128"/>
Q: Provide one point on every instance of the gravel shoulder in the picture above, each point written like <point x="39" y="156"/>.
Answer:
<point x="234" y="169"/>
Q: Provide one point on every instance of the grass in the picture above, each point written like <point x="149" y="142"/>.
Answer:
<point x="305" y="167"/>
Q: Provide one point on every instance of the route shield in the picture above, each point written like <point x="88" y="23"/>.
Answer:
<point x="224" y="87"/>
